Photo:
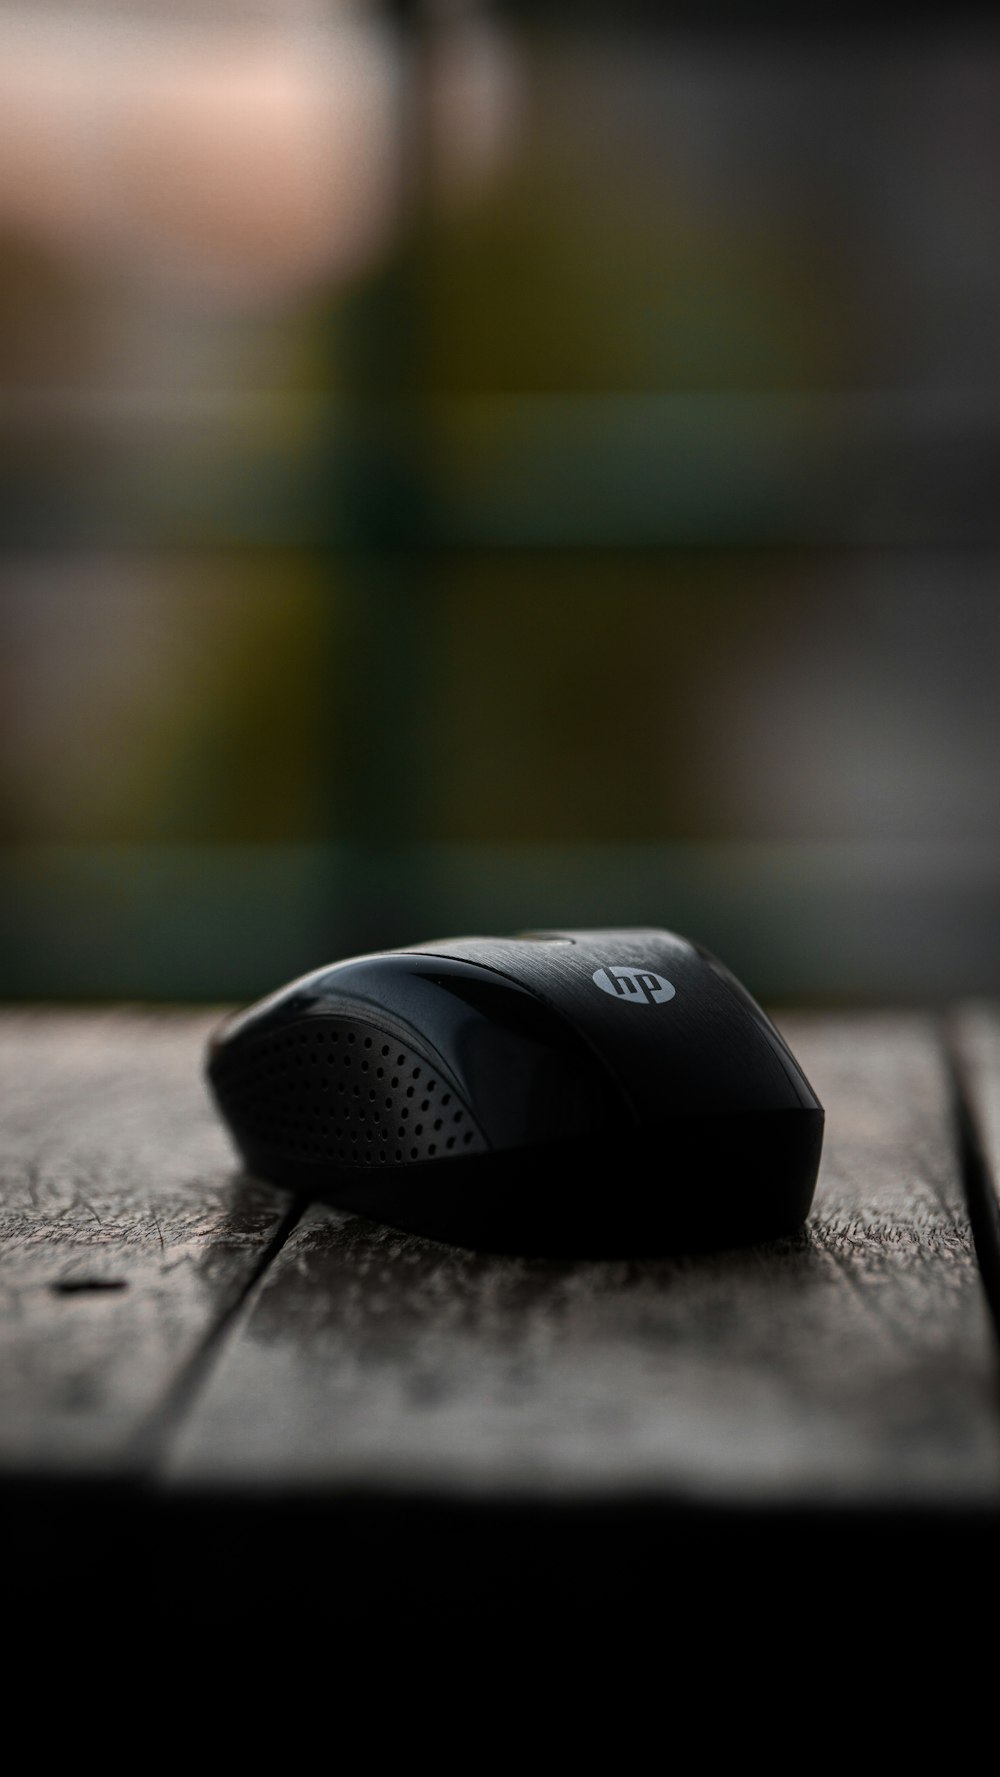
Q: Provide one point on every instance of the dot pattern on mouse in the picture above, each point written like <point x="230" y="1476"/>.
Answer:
<point x="342" y="1092"/>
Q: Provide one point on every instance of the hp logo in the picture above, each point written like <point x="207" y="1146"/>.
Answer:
<point x="640" y="986"/>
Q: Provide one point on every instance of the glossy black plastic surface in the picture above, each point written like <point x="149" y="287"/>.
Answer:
<point x="579" y="1092"/>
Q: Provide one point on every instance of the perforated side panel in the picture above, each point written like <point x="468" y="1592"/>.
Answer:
<point x="341" y="1091"/>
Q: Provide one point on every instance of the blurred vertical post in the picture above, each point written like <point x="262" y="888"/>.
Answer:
<point x="382" y="572"/>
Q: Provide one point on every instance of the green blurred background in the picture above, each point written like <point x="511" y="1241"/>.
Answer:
<point x="466" y="469"/>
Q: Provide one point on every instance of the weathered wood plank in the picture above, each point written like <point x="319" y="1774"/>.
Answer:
<point x="124" y="1235"/>
<point x="849" y="1365"/>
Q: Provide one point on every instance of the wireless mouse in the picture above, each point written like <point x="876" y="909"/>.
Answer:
<point x="578" y="1093"/>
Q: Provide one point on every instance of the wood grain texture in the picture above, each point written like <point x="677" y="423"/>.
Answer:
<point x="851" y="1364"/>
<point x="124" y="1234"/>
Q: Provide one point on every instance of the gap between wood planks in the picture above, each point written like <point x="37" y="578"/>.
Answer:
<point x="977" y="1174"/>
<point x="154" y="1436"/>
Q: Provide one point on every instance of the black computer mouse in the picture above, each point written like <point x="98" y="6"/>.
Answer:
<point x="565" y="1093"/>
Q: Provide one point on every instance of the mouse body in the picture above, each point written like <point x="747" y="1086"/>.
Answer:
<point x="578" y="1093"/>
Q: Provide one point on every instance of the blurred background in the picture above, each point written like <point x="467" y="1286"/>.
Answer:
<point x="477" y="467"/>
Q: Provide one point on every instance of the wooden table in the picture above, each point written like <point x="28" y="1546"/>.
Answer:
<point x="192" y="1360"/>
